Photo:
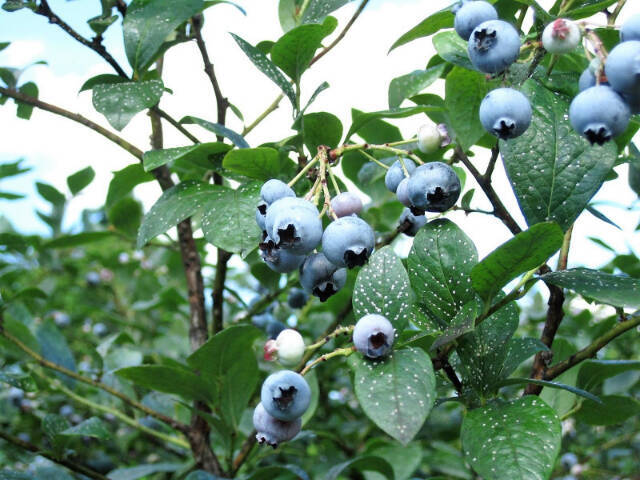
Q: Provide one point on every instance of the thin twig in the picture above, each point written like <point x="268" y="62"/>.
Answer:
<point x="177" y="125"/>
<point x="271" y="108"/>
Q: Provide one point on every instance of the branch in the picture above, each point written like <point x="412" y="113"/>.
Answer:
<point x="590" y="351"/>
<point x="451" y="375"/>
<point x="95" y="44"/>
<point x="217" y="295"/>
<point x="73" y="466"/>
<point x="76" y="117"/>
<point x="175" y="124"/>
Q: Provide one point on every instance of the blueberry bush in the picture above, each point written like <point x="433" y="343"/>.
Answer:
<point x="304" y="345"/>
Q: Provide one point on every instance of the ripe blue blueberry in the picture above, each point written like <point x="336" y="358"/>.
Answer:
<point x="403" y="193"/>
<point x="272" y="431"/>
<point x="274" y="190"/>
<point x="278" y="259"/>
<point x="346" y="203"/>
<point x="320" y="277"/>
<point x="261" y="215"/>
<point x="493" y="46"/>
<point x="294" y="225"/>
<point x="395" y="174"/>
<point x="568" y="460"/>
<point x="297" y="298"/>
<point x="632" y="101"/>
<point x="505" y="113"/>
<point x="410" y="223"/>
<point x="472" y="14"/>
<point x="268" y="323"/>
<point x="373" y="336"/>
<point x="285" y="395"/>
<point x="599" y="114"/>
<point x="561" y="36"/>
<point x="434" y="187"/>
<point x="630" y="29"/>
<point x="623" y="67"/>
<point x="348" y="242"/>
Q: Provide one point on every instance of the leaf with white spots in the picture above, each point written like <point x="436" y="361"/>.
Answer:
<point x="119" y="102"/>
<point x="396" y="393"/>
<point x="554" y="172"/>
<point x="440" y="266"/>
<point x="175" y="205"/>
<point x="616" y="290"/>
<point x="515" y="440"/>
<point x="228" y="220"/>
<point x="382" y="287"/>
<point x="482" y="353"/>
<point x="463" y="322"/>
<point x="519" y="350"/>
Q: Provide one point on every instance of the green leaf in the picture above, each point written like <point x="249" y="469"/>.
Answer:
<point x="465" y="90"/>
<point x="9" y="474"/>
<point x="634" y="169"/>
<point x="54" y="347"/>
<point x="367" y="463"/>
<point x="600" y="216"/>
<point x="429" y="26"/>
<point x="361" y="120"/>
<point x="404" y="460"/>
<point x="406" y="86"/>
<point x="462" y="323"/>
<point x="611" y="410"/>
<point x="442" y="257"/>
<point x="22" y="381"/>
<point x="321" y="128"/>
<point x="147" y="25"/>
<point x="124" y="181"/>
<point x="52" y="425"/>
<point x="4" y="45"/>
<point x="11" y="169"/>
<point x="79" y="180"/>
<point x="99" y="24"/>
<point x="554" y="179"/>
<point x="519" y="439"/>
<point x="266" y="66"/>
<point x="285" y="472"/>
<point x="317" y="10"/>
<point x="397" y="393"/>
<point x="175" y="205"/>
<point x="545" y="383"/>
<point x="562" y="401"/>
<point x="119" y="102"/>
<point x="25" y="110"/>
<point x="201" y="475"/>
<point x="103" y="78"/>
<point x="519" y="350"/>
<point x="453" y="49"/>
<point x="261" y="163"/>
<point x="294" y="51"/>
<point x="228" y="220"/>
<point x="139" y="471"/>
<point x="126" y="216"/>
<point x="586" y="8"/>
<point x="524" y="252"/>
<point x="382" y="287"/>
<point x="50" y="194"/>
<point x="237" y="139"/>
<point x="228" y="364"/>
<point x="199" y="153"/>
<point x="91" y="427"/>
<point x="11" y="196"/>
<point x="616" y="290"/>
<point x="593" y="372"/>
<point x="70" y="241"/>
<point x="168" y="379"/>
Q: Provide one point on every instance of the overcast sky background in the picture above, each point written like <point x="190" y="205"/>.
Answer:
<point x="358" y="70"/>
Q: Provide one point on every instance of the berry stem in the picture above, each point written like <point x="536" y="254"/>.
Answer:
<point x="374" y="160"/>
<point x="336" y="333"/>
<point x="404" y="167"/>
<point x="338" y="352"/>
<point x="387" y="147"/>
<point x="334" y="182"/>
<point x="302" y="172"/>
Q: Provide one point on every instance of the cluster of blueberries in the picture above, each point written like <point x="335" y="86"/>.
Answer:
<point x="285" y="395"/>
<point x="600" y="111"/>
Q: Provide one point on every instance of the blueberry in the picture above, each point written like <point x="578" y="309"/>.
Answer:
<point x="505" y="113"/>
<point x="348" y="242"/>
<point x="430" y="136"/>
<point x="261" y="215"/>
<point x="285" y="395"/>
<point x="66" y="410"/>
<point x="272" y="431"/>
<point x="568" y="460"/>
<point x="599" y="114"/>
<point x="434" y="187"/>
<point x="588" y="77"/>
<point x="346" y="203"/>
<point x="630" y="29"/>
<point x="373" y="336"/>
<point x="471" y="14"/>
<point x="278" y="259"/>
<point x="99" y="329"/>
<point x="321" y="277"/>
<point x="290" y="347"/>
<point x="298" y="298"/>
<point x="61" y="319"/>
<point x="632" y="101"/>
<point x="395" y="174"/>
<point x="410" y="223"/>
<point x="274" y="190"/>
<point x="403" y="193"/>
<point x="623" y="67"/>
<point x="294" y="225"/>
<point x="561" y="36"/>
<point x="493" y="46"/>
<point x="268" y="323"/>
<point x="93" y="279"/>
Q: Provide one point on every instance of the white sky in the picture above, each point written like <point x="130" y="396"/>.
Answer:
<point x="358" y="70"/>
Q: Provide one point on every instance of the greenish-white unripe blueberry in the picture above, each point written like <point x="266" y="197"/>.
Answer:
<point x="289" y="347"/>
<point x="429" y="137"/>
<point x="561" y="36"/>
